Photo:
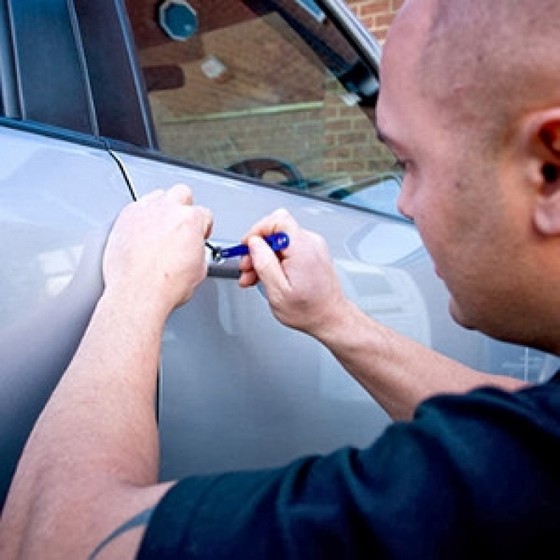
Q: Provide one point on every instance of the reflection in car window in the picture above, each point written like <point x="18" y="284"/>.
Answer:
<point x="264" y="88"/>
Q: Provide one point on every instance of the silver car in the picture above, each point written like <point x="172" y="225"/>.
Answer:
<point x="256" y="105"/>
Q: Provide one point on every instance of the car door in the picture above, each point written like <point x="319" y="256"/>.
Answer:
<point x="259" y="105"/>
<point x="60" y="190"/>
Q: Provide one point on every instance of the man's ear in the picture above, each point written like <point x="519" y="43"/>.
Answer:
<point x="544" y="140"/>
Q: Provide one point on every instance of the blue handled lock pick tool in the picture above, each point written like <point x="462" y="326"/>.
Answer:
<point x="276" y="241"/>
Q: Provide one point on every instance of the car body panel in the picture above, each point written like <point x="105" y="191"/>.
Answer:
<point x="58" y="200"/>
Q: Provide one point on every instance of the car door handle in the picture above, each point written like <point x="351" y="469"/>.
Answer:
<point x="228" y="269"/>
<point x="220" y="263"/>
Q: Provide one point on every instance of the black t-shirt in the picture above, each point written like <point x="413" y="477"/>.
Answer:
<point x="470" y="475"/>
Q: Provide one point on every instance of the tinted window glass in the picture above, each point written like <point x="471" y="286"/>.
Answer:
<point x="48" y="71"/>
<point x="267" y="89"/>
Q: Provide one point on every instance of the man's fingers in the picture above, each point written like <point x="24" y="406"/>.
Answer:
<point x="152" y="195"/>
<point x="266" y="264"/>
<point x="208" y="221"/>
<point x="279" y="220"/>
<point x="181" y="193"/>
<point x="248" y="278"/>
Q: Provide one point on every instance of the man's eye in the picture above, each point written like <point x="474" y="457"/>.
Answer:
<point x="399" y="165"/>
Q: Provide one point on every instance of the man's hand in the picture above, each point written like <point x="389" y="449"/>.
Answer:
<point x="155" y="251"/>
<point x="301" y="284"/>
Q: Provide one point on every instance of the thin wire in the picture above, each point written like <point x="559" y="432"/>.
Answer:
<point x="216" y="251"/>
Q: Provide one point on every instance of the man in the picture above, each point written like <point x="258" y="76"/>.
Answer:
<point x="470" y="104"/>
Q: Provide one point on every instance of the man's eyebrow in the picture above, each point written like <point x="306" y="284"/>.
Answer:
<point x="378" y="132"/>
<point x="387" y="141"/>
<point x="384" y="138"/>
<point x="380" y="135"/>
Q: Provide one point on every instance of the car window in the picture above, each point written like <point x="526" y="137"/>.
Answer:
<point x="46" y="81"/>
<point x="265" y="89"/>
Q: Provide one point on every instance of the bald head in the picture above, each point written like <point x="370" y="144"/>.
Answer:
<point x="485" y="62"/>
<point x="470" y="103"/>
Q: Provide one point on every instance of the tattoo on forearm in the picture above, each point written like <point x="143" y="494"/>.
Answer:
<point x="138" y="520"/>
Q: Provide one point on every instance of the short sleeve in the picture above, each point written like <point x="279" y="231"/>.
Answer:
<point x="469" y="475"/>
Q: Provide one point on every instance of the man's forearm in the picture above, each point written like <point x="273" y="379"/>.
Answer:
<point x="67" y="467"/>
<point x="397" y="372"/>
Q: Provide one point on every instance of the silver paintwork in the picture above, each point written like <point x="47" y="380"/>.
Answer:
<point x="57" y="201"/>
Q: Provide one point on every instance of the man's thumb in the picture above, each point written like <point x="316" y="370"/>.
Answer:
<point x="265" y="262"/>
